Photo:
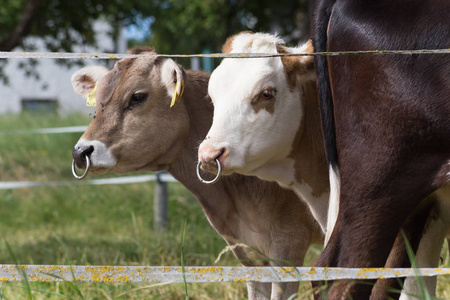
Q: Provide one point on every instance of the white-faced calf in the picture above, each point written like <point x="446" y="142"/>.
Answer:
<point x="267" y="123"/>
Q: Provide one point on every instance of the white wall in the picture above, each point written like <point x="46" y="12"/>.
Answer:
<point x="56" y="78"/>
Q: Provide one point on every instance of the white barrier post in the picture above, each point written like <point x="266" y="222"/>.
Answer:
<point x="160" y="203"/>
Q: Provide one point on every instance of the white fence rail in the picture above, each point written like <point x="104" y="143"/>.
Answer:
<point x="161" y="178"/>
<point x="4" y="185"/>
<point x="173" y="274"/>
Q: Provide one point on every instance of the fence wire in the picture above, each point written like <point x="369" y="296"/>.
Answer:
<point x="162" y="274"/>
<point x="71" y="55"/>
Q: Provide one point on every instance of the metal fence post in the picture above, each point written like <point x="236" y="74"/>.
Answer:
<point x="160" y="203"/>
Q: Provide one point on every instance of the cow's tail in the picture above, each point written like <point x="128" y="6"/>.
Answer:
<point x="320" y="21"/>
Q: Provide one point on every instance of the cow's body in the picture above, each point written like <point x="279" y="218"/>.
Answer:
<point x="281" y="140"/>
<point x="386" y="125"/>
<point x="151" y="136"/>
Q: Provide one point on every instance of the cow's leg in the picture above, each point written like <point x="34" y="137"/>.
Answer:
<point x="366" y="228"/>
<point x="259" y="290"/>
<point x="428" y="254"/>
<point x="347" y="248"/>
<point x="272" y="291"/>
<point x="427" y="257"/>
<point x="283" y="290"/>
<point x="413" y="230"/>
<point x="281" y="249"/>
<point x="364" y="234"/>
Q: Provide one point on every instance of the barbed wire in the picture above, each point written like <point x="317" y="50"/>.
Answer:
<point x="85" y="55"/>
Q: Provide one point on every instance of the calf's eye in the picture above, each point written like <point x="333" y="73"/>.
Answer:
<point x="268" y="94"/>
<point x="138" y="98"/>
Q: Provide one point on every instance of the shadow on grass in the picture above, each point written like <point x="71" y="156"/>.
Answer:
<point x="66" y="250"/>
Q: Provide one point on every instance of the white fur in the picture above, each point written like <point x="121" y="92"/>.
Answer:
<point x="84" y="80"/>
<point x="237" y="125"/>
<point x="101" y="156"/>
<point x="255" y="43"/>
<point x="317" y="205"/>
<point x="283" y="171"/>
<point x="333" y="208"/>
<point x="258" y="143"/>
<point x="168" y="70"/>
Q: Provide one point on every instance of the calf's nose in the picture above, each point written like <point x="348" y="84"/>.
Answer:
<point x="208" y="154"/>
<point x="79" y="154"/>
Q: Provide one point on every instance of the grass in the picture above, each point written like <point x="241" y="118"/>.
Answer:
<point x="102" y="225"/>
<point x="94" y="225"/>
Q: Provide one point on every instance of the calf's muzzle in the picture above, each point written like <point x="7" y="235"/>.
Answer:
<point x="79" y="154"/>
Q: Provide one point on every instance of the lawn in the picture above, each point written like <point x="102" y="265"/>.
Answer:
<point x="94" y="225"/>
<point x="100" y="225"/>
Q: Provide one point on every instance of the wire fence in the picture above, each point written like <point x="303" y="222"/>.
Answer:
<point x="174" y="274"/>
<point x="161" y="274"/>
<point x="71" y="55"/>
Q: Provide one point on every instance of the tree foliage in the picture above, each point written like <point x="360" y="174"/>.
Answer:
<point x="61" y="24"/>
<point x="178" y="26"/>
<point x="192" y="26"/>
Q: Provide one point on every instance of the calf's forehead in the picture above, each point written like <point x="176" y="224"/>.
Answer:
<point x="126" y="74"/>
<point x="243" y="77"/>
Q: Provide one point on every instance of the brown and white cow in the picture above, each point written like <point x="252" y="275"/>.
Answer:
<point x="267" y="123"/>
<point x="386" y="125"/>
<point x="136" y="129"/>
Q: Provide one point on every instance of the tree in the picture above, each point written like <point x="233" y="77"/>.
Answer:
<point x="192" y="26"/>
<point x="60" y="24"/>
<point x="179" y="26"/>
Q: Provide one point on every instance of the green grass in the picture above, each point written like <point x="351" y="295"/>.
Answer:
<point x="94" y="225"/>
<point x="102" y="225"/>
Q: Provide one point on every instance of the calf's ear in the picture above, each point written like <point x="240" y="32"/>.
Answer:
<point x="308" y="61"/>
<point x="172" y="77"/>
<point x="84" y="80"/>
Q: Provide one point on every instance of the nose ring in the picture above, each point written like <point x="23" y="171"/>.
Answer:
<point x="219" y="170"/>
<point x="88" y="164"/>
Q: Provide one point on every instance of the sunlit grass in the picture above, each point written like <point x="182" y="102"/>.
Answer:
<point x="93" y="225"/>
<point x="103" y="225"/>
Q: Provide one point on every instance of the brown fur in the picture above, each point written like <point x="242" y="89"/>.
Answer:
<point x="308" y="151"/>
<point x="386" y="124"/>
<point x="152" y="136"/>
<point x="292" y="65"/>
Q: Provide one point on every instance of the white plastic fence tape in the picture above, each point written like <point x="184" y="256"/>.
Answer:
<point x="160" y="274"/>
<point x="118" y="180"/>
<point x="45" y="130"/>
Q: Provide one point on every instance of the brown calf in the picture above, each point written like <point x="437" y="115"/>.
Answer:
<point x="136" y="129"/>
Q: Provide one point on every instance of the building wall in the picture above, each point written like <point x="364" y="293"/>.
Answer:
<point x="54" y="83"/>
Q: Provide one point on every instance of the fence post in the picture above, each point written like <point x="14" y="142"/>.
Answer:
<point x="160" y="203"/>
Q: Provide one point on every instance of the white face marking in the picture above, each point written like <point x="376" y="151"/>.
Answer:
<point x="252" y="138"/>
<point x="101" y="157"/>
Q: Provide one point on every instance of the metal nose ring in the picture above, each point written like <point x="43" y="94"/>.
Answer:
<point x="219" y="170"/>
<point x="88" y="164"/>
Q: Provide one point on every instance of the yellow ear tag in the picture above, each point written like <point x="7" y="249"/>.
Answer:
<point x="175" y="96"/>
<point x="90" y="100"/>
